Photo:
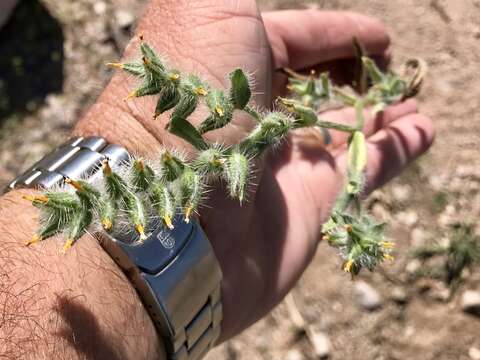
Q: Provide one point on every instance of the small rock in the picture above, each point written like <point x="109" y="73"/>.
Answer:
<point x="399" y="295"/>
<point x="99" y="7"/>
<point x="380" y="212"/>
<point x="440" y="293"/>
<point x="409" y="218"/>
<point x="401" y="193"/>
<point x="124" y="19"/>
<point x="474" y="353"/>
<point x="413" y="266"/>
<point x="321" y="343"/>
<point x="418" y="237"/>
<point x="294" y="354"/>
<point x="471" y="302"/>
<point x="367" y="297"/>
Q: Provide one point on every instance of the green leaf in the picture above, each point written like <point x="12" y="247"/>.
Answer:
<point x="169" y="98"/>
<point x="240" y="92"/>
<point x="182" y="128"/>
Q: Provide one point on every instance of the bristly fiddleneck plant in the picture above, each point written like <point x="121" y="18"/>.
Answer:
<point x="139" y="193"/>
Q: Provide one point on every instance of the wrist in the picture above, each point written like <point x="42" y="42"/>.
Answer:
<point x="79" y="303"/>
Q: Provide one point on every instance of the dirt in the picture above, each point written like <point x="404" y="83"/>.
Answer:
<point x="442" y="188"/>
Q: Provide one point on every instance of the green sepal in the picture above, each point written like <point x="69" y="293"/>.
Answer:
<point x="146" y="89"/>
<point x="210" y="161"/>
<point x="186" y="106"/>
<point x="60" y="201"/>
<point x="135" y="208"/>
<point x="87" y="194"/>
<point x="79" y="224"/>
<point x="240" y="92"/>
<point x="142" y="176"/>
<point x="152" y="62"/>
<point x="114" y="184"/>
<point x="108" y="211"/>
<point x="163" y="202"/>
<point x="136" y="69"/>
<point x="191" y="189"/>
<point x="237" y="170"/>
<point x="193" y="85"/>
<point x="173" y="167"/>
<point x="53" y="222"/>
<point x="169" y="98"/>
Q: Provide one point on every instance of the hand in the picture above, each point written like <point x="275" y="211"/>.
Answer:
<point x="264" y="245"/>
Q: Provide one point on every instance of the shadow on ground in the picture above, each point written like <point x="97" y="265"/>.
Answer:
<point x="31" y="58"/>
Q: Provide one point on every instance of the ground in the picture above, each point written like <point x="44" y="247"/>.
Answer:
<point x="440" y="189"/>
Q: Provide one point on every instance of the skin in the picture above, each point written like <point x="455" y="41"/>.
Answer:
<point x="83" y="305"/>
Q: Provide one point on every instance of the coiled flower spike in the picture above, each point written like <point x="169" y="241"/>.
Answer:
<point x="149" y="195"/>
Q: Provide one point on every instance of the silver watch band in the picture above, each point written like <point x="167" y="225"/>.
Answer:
<point x="183" y="295"/>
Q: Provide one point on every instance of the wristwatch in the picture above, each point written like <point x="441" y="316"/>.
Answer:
<point x="175" y="272"/>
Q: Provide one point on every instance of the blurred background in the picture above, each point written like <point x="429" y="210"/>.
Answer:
<point x="426" y="305"/>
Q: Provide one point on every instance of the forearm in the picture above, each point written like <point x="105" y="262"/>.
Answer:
<point x="78" y="305"/>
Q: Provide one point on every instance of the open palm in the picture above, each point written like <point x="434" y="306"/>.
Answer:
<point x="265" y="244"/>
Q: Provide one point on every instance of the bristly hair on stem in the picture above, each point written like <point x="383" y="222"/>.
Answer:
<point x="149" y="194"/>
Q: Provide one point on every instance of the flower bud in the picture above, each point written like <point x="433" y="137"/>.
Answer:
<point x="191" y="189"/>
<point x="210" y="161"/>
<point x="164" y="203"/>
<point x="237" y="170"/>
<point x="221" y="112"/>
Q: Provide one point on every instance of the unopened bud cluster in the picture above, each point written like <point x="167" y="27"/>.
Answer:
<point x="142" y="192"/>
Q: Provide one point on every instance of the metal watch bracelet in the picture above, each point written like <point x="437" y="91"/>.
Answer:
<point x="181" y="289"/>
